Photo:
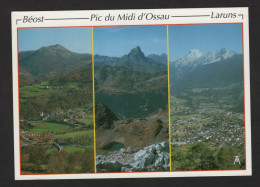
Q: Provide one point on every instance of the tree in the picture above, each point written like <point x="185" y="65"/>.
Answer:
<point x="37" y="154"/>
<point x="88" y="164"/>
<point x="201" y="157"/>
<point x="58" y="162"/>
<point x="225" y="158"/>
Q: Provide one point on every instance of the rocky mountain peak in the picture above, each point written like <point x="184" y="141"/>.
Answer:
<point x="189" y="59"/>
<point x="195" y="53"/>
<point x="218" y="55"/>
<point x="226" y="53"/>
<point x="136" y="52"/>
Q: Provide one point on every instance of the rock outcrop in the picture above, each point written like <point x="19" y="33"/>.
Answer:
<point x="130" y="132"/>
<point x="152" y="158"/>
<point x="104" y="116"/>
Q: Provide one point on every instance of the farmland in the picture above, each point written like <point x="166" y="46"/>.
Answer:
<point x="56" y="122"/>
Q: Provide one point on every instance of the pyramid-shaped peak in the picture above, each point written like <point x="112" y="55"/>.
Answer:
<point x="137" y="48"/>
<point x="136" y="52"/>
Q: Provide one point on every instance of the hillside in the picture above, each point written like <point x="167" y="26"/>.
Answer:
<point x="60" y="93"/>
<point x="130" y="93"/>
<point x="48" y="62"/>
<point x="134" y="132"/>
<point x="159" y="58"/>
<point x="219" y="74"/>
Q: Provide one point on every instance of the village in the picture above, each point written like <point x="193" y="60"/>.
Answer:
<point x="218" y="129"/>
<point x="49" y="125"/>
<point x="67" y="116"/>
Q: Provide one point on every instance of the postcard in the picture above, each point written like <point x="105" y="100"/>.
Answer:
<point x="131" y="93"/>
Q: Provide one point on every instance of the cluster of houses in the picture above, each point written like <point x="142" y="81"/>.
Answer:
<point x="67" y="116"/>
<point x="53" y="87"/>
<point x="219" y="130"/>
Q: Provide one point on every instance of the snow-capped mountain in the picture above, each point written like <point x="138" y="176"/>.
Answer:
<point x="217" y="56"/>
<point x="195" y="58"/>
<point x="189" y="60"/>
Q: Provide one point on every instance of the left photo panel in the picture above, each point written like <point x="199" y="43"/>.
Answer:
<point x="56" y="100"/>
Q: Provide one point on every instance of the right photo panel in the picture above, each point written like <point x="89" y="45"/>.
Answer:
<point x="206" y="97"/>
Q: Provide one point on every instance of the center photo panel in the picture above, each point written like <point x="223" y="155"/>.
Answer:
<point x="131" y="99"/>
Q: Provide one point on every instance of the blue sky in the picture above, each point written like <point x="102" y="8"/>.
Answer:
<point x="74" y="39"/>
<point x="206" y="38"/>
<point x="118" y="41"/>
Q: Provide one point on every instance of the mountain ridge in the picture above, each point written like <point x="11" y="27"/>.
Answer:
<point x="46" y="62"/>
<point x="195" y="58"/>
<point x="135" y="60"/>
<point x="221" y="74"/>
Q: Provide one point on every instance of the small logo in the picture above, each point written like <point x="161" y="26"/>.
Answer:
<point x="236" y="160"/>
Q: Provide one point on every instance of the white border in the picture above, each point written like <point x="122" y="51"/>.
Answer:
<point x="176" y="20"/>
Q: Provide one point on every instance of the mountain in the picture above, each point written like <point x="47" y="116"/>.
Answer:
<point x="134" y="60"/>
<point x="159" y="58"/>
<point x="217" y="56"/>
<point x="49" y="61"/>
<point x="195" y="58"/>
<point x="208" y="82"/>
<point x="131" y="86"/>
<point x="189" y="59"/>
<point x="135" y="56"/>
<point x="100" y="60"/>
<point x="221" y="74"/>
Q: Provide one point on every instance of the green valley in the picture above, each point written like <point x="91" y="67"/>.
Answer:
<point x="56" y="113"/>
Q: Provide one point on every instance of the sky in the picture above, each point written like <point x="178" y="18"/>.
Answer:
<point x="74" y="39"/>
<point x="118" y="41"/>
<point x="206" y="38"/>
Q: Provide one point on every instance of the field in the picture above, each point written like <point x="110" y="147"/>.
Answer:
<point x="75" y="134"/>
<point x="86" y="121"/>
<point x="49" y="127"/>
<point x="72" y="149"/>
<point x="57" y="123"/>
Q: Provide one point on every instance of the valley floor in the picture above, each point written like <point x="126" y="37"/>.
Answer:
<point x="206" y="136"/>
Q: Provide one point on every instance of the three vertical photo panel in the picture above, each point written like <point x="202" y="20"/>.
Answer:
<point x="131" y="99"/>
